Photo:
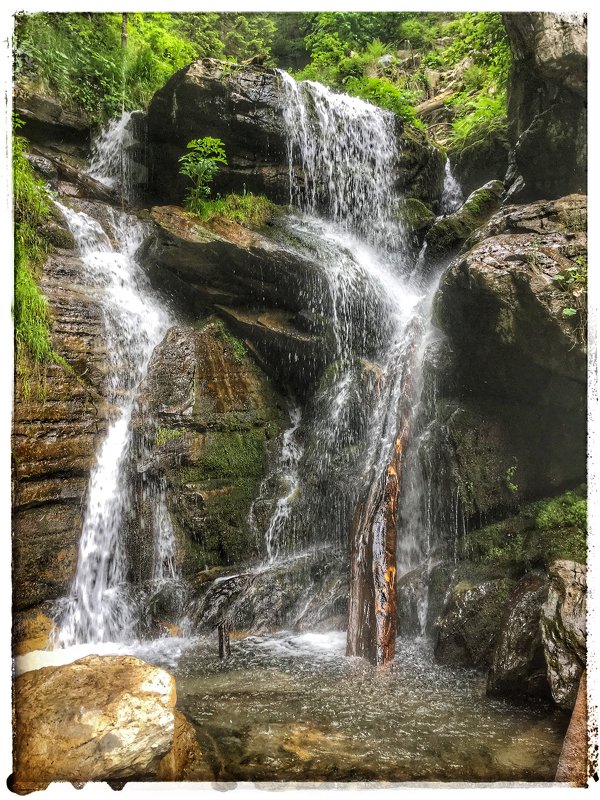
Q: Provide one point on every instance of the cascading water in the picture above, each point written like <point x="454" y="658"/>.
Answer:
<point x="452" y="194"/>
<point x="342" y="160"/>
<point x="101" y="606"/>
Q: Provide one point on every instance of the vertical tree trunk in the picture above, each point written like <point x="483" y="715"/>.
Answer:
<point x="124" y="26"/>
<point x="372" y="603"/>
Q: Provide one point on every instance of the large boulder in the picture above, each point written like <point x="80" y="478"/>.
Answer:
<point x="518" y="667"/>
<point x="481" y="158"/>
<point x="99" y="718"/>
<point x="467" y="631"/>
<point x="547" y="104"/>
<point x="564" y="630"/>
<point x="513" y="378"/>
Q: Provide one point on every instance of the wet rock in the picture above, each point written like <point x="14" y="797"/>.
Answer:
<point x="447" y="234"/>
<point x="482" y="158"/>
<point x="59" y="416"/>
<point x="242" y="105"/>
<point x="184" y="762"/>
<point x="564" y="630"/>
<point x="468" y="630"/>
<point x="512" y="390"/>
<point x="416" y="217"/>
<point x="32" y="630"/>
<point x="573" y="764"/>
<point x="205" y="420"/>
<point x="547" y="103"/>
<point x="239" y="105"/>
<point x="99" y="718"/>
<point x="518" y="668"/>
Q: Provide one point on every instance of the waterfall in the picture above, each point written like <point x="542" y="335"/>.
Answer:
<point x="343" y="158"/>
<point x="101" y="606"/>
<point x="452" y="194"/>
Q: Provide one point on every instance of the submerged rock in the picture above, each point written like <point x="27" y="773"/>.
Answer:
<point x="99" y="718"/>
<point x="564" y="630"/>
<point x="518" y="668"/>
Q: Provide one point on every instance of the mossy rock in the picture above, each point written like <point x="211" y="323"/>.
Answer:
<point x="415" y="217"/>
<point x="541" y="533"/>
<point x="448" y="234"/>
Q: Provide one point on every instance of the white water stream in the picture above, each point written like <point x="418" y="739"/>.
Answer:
<point x="101" y="606"/>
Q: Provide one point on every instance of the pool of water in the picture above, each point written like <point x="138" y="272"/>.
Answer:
<point x="293" y="707"/>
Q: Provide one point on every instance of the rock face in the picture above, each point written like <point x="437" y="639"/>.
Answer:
<point x="515" y="371"/>
<point x="564" y="630"/>
<point x="117" y="712"/>
<point x="56" y="429"/>
<point x="242" y="105"/>
<point x="547" y="104"/>
<point x="480" y="161"/>
<point x="518" y="668"/>
<point x="262" y="289"/>
<point x="206" y="417"/>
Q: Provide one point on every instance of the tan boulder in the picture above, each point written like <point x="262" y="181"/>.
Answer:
<point x="99" y="718"/>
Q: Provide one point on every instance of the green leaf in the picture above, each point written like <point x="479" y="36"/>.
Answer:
<point x="569" y="312"/>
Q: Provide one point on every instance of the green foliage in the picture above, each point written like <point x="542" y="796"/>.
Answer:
<point x="542" y="532"/>
<point x="33" y="346"/>
<point x="164" y="435"/>
<point x="573" y="281"/>
<point x="201" y="165"/>
<point x="478" y="118"/>
<point x="250" y="210"/>
<point x="385" y="94"/>
<point x="510" y="474"/>
<point x="237" y="347"/>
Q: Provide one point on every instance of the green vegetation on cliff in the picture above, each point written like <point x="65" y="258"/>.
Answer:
<point x="102" y="63"/>
<point x="540" y="533"/>
<point x="33" y="346"/>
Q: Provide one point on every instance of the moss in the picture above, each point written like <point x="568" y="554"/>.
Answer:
<point x="415" y="216"/>
<point x="250" y="210"/>
<point x="237" y="347"/>
<point x="164" y="435"/>
<point x="544" y="531"/>
<point x="231" y="454"/>
<point x="450" y="232"/>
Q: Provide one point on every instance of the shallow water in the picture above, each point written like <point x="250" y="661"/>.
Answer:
<point x="293" y="707"/>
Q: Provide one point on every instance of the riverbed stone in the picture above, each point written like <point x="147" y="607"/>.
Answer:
<point x="98" y="718"/>
<point x="563" y="626"/>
